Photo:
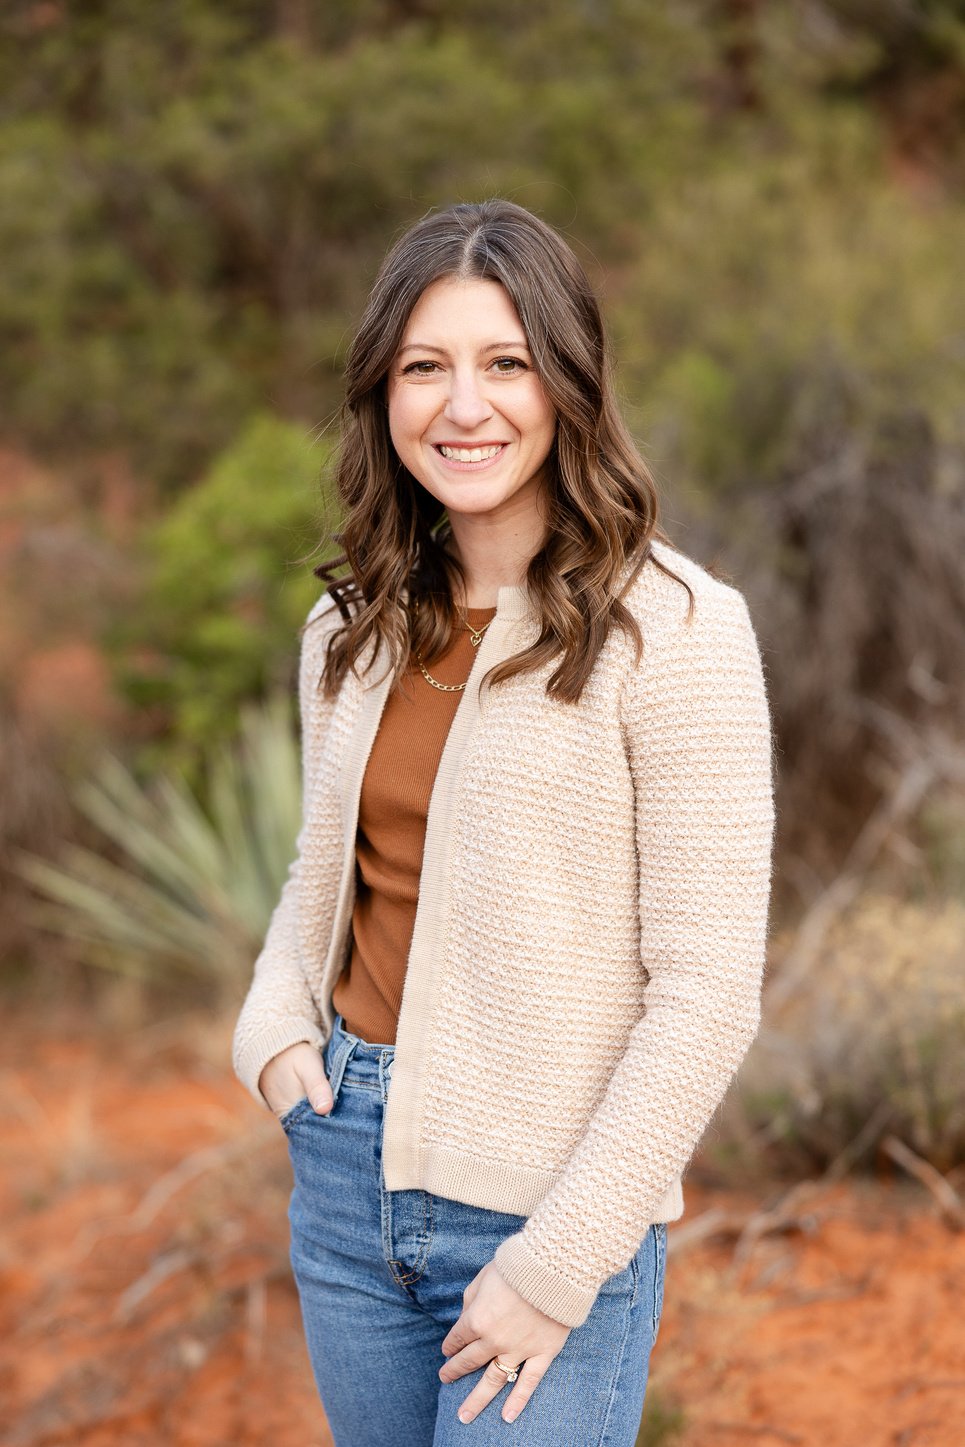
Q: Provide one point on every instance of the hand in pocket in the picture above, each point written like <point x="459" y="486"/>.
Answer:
<point x="295" y="1074"/>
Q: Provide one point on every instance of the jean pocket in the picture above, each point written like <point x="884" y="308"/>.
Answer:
<point x="287" y="1120"/>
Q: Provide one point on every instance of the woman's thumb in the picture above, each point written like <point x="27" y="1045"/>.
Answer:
<point x="316" y="1085"/>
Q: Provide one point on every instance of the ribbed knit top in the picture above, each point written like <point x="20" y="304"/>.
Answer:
<point x="585" y="968"/>
<point x="393" y="806"/>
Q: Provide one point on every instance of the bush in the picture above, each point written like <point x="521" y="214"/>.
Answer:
<point x="229" y="584"/>
<point x="872" y="1045"/>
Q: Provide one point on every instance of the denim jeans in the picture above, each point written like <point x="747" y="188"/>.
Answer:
<point x="381" y="1274"/>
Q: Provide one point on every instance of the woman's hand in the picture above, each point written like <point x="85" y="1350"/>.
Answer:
<point x="291" y="1075"/>
<point x="497" y="1321"/>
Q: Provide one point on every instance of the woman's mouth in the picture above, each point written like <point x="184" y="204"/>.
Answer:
<point x="472" y="458"/>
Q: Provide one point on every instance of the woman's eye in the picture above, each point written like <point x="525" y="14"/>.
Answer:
<point x="419" y="369"/>
<point x="507" y="366"/>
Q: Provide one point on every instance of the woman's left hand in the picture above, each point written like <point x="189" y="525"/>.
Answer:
<point x="497" y="1322"/>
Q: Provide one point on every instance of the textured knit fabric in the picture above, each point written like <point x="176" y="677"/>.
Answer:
<point x="393" y="806"/>
<point x="613" y="853"/>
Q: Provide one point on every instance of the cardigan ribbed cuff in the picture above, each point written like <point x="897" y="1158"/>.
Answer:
<point x="541" y="1286"/>
<point x="267" y="1044"/>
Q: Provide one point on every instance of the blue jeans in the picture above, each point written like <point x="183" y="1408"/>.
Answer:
<point x="381" y="1274"/>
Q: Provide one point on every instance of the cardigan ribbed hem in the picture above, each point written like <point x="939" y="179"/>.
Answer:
<point x="494" y="1185"/>
<point x="565" y="1301"/>
<point x="271" y="1042"/>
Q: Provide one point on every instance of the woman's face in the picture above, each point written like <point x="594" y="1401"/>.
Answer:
<point x="467" y="412"/>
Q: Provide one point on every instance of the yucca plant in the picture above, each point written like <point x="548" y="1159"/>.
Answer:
<point x="193" y="890"/>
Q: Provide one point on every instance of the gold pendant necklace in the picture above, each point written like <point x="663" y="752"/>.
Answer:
<point x="476" y="634"/>
<point x="475" y="637"/>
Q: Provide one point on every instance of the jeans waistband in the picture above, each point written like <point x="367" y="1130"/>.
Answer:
<point x="355" y="1061"/>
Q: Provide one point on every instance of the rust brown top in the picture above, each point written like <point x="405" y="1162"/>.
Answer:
<point x="393" y="808"/>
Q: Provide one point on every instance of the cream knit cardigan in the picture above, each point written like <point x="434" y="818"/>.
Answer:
<point x="585" y="970"/>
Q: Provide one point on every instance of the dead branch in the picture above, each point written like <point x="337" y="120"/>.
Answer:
<point x="209" y="1158"/>
<point x="715" y="1222"/>
<point x="928" y="1384"/>
<point x="153" y="1202"/>
<point x="166" y="1266"/>
<point x="813" y="929"/>
<point x="949" y="1202"/>
<point x="856" y="1147"/>
<point x="784" y="1215"/>
<point x="747" y="1226"/>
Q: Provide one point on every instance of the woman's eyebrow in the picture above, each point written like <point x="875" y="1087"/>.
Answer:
<point x="427" y="347"/>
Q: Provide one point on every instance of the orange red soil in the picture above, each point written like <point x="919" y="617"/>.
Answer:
<point x="145" y="1296"/>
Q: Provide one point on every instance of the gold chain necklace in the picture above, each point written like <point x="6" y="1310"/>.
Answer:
<point x="475" y="637"/>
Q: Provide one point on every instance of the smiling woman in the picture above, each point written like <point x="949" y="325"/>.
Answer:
<point x="518" y="957"/>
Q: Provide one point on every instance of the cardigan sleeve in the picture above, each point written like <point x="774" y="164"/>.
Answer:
<point x="279" y="1009"/>
<point x="697" y="731"/>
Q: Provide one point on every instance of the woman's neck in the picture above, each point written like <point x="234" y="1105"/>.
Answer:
<point x="491" y="559"/>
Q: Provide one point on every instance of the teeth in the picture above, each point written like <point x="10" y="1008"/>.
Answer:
<point x="470" y="454"/>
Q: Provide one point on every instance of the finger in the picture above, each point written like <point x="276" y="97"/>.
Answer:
<point x="490" y="1385"/>
<point x="530" y="1376"/>
<point x="470" y="1359"/>
<point x="315" y="1085"/>
<point x="459" y="1336"/>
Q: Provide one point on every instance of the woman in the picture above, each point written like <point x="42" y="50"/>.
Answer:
<point x="518" y="957"/>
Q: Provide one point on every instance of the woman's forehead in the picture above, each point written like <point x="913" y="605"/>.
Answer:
<point x="467" y="307"/>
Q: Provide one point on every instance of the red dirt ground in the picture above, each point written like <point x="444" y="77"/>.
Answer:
<point x="145" y="1296"/>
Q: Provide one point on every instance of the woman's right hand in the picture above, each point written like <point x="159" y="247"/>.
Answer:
<point x="293" y="1074"/>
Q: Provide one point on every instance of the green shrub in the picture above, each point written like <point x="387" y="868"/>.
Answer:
<point x="228" y="585"/>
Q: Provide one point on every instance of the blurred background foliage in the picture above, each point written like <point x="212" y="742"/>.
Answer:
<point x="196" y="198"/>
<point x="228" y="585"/>
<point x="771" y="200"/>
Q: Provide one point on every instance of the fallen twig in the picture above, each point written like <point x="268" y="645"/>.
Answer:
<point x="782" y="1216"/>
<point x="746" y="1226"/>
<point x="715" y="1222"/>
<point x="188" y="1169"/>
<point x="158" y="1272"/>
<point x="749" y="1227"/>
<point x="842" y="1291"/>
<point x="950" y="1203"/>
<point x="160" y="1193"/>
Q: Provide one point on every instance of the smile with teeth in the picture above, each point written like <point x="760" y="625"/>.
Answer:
<point x="470" y="454"/>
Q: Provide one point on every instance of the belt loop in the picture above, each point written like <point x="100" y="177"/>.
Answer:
<point x="341" y="1055"/>
<point x="386" y="1061"/>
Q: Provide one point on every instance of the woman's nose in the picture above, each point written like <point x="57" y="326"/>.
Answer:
<point x="466" y="404"/>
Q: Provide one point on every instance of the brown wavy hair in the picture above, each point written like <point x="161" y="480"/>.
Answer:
<point x="602" y="500"/>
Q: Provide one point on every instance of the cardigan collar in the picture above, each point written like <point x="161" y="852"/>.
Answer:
<point x="513" y="602"/>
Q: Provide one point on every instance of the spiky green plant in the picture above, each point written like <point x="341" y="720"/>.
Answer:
<point x="190" y="889"/>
